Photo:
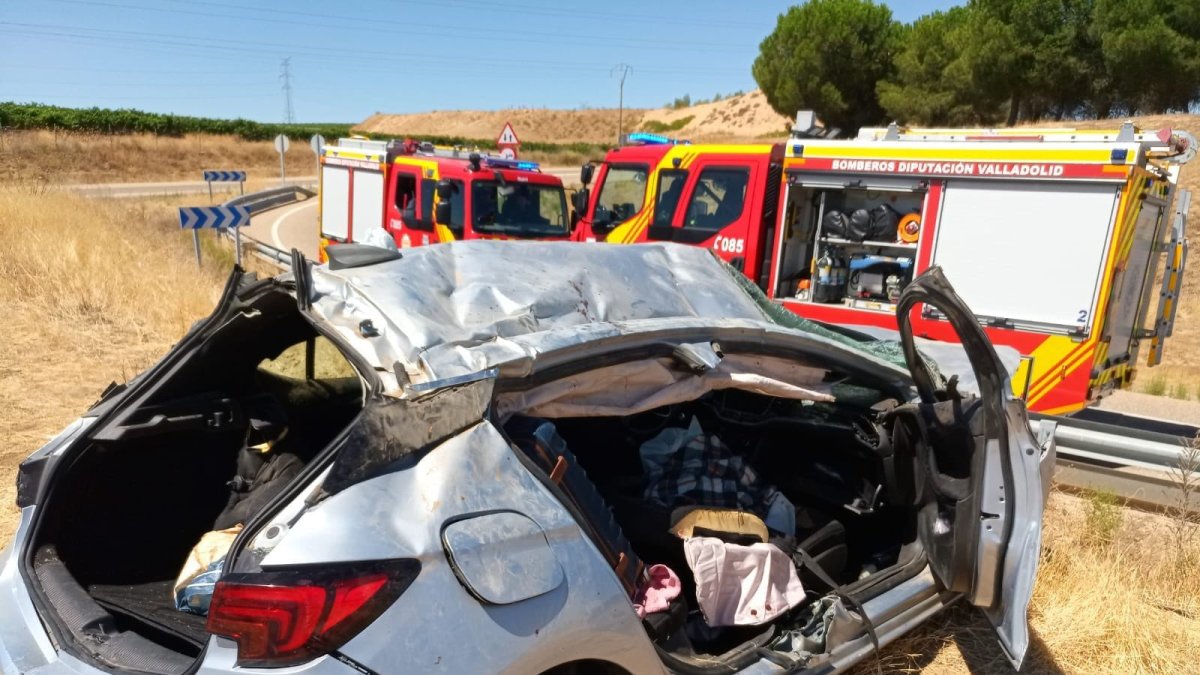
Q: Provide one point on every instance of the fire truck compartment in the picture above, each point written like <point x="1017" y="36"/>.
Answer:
<point x="842" y="241"/>
<point x="1043" y="260"/>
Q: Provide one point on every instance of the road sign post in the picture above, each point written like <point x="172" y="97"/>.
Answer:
<point x="212" y="176"/>
<point x="317" y="143"/>
<point x="281" y="146"/>
<point x="196" y="218"/>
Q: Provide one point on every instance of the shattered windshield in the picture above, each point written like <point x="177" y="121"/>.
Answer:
<point x="519" y="209"/>
<point x="890" y="351"/>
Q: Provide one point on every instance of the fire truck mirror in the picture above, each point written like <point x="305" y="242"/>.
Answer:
<point x="579" y="203"/>
<point x="441" y="213"/>
<point x="445" y="190"/>
<point x="585" y="174"/>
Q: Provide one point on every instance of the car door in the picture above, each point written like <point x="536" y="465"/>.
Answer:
<point x="986" y="477"/>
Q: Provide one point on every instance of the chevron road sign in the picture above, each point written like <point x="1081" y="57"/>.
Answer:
<point x="225" y="176"/>
<point x="196" y="218"/>
<point x="201" y="217"/>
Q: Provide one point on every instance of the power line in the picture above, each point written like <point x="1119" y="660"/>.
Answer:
<point x="286" y="76"/>
<point x="176" y="43"/>
<point x="440" y="30"/>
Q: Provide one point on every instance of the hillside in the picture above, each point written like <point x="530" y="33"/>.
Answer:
<point x="743" y="118"/>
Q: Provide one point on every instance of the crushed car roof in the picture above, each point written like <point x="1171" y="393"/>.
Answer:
<point x="454" y="309"/>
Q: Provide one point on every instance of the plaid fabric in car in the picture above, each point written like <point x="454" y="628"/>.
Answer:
<point x="687" y="466"/>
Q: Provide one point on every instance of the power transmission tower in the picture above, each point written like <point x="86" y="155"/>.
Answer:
<point x="624" y="69"/>
<point x="286" y="77"/>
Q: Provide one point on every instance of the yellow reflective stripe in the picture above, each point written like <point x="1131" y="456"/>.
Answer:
<point x="1069" y="155"/>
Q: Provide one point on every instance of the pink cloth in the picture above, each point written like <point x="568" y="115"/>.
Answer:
<point x="657" y="592"/>
<point x="741" y="585"/>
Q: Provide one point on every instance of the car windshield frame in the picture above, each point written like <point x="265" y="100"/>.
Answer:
<point x="493" y="220"/>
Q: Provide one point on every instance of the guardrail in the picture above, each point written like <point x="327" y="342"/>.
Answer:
<point x="262" y="201"/>
<point x="269" y="199"/>
<point x="1128" y="455"/>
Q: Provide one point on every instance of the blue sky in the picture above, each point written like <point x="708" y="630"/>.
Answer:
<point x="222" y="58"/>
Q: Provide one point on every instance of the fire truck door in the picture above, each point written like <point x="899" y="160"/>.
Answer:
<point x="402" y="205"/>
<point x="718" y="208"/>
<point x="366" y="203"/>
<point x="335" y="202"/>
<point x="1132" y="282"/>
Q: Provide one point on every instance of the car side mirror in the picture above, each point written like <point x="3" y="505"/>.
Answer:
<point x="585" y="174"/>
<point x="445" y="190"/>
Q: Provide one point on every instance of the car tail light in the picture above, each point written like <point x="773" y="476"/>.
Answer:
<point x="287" y="616"/>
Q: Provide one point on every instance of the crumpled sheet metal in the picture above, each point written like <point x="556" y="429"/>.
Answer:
<point x="452" y="309"/>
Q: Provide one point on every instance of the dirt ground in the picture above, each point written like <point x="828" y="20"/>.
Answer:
<point x="744" y="118"/>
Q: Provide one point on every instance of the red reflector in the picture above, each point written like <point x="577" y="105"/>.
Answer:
<point x="348" y="597"/>
<point x="287" y="617"/>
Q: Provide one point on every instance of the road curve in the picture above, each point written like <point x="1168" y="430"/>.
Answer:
<point x="288" y="227"/>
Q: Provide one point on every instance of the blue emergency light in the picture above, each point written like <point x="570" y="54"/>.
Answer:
<point x="502" y="163"/>
<point x="645" y="138"/>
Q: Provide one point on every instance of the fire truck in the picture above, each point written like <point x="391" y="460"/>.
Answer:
<point x="1069" y="245"/>
<point x="415" y="193"/>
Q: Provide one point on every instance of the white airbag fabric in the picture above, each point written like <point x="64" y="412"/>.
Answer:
<point x="630" y="388"/>
<point x="741" y="585"/>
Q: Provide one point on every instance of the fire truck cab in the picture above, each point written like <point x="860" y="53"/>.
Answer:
<point x="722" y="197"/>
<point x="415" y="193"/>
<point x="1054" y="237"/>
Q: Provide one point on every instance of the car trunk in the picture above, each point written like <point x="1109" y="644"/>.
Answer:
<point x="125" y="506"/>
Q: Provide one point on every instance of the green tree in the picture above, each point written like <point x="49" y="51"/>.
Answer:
<point x="940" y="67"/>
<point x="829" y="56"/>
<point x="1047" y="61"/>
<point x="1150" y="52"/>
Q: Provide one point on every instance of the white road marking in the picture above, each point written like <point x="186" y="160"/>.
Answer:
<point x="310" y="202"/>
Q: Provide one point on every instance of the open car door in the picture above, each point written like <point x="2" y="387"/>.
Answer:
<point x="981" y="514"/>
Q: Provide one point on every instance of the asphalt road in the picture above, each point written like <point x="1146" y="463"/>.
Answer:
<point x="287" y="227"/>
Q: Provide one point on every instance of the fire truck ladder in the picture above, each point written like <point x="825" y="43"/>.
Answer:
<point x="1172" y="146"/>
<point x="1172" y="284"/>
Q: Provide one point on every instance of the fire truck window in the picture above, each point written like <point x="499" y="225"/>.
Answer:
<point x="457" y="201"/>
<point x="518" y="209"/>
<point x="406" y="197"/>
<point x="670" y="188"/>
<point x="428" y="188"/>
<point x="621" y="196"/>
<point x="718" y="199"/>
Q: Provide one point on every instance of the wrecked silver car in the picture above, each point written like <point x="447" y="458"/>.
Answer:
<point x="524" y="458"/>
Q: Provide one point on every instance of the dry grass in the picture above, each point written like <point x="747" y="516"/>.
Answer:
<point x="61" y="157"/>
<point x="1112" y="597"/>
<point x="91" y="291"/>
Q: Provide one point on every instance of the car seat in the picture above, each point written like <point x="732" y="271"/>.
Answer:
<point x="540" y="441"/>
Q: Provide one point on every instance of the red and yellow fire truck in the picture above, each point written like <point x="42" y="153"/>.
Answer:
<point x="415" y="193"/>
<point x="1069" y="245"/>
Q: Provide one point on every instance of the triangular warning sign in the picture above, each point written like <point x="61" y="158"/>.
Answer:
<point x="507" y="136"/>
